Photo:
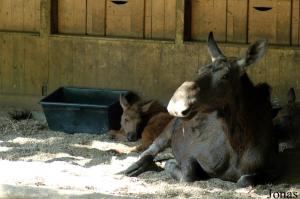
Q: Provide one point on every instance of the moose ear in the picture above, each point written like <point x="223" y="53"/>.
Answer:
<point x="255" y="51"/>
<point x="291" y="96"/>
<point x="123" y="102"/>
<point x="213" y="48"/>
<point x="147" y="106"/>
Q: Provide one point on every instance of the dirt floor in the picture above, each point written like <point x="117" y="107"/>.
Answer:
<point x="36" y="162"/>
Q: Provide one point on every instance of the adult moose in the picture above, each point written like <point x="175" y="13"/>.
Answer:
<point x="224" y="125"/>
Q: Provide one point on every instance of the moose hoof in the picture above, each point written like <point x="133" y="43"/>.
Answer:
<point x="170" y="166"/>
<point x="246" y="181"/>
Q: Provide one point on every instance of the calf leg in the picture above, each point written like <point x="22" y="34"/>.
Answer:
<point x="146" y="159"/>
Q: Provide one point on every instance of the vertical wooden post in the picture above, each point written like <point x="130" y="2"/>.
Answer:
<point x="295" y="23"/>
<point x="45" y="29"/>
<point x="180" y="5"/>
<point x="46" y="22"/>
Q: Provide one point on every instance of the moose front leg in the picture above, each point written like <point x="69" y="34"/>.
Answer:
<point x="188" y="171"/>
<point x="146" y="160"/>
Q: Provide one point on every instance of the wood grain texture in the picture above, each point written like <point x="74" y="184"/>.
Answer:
<point x="295" y="22"/>
<point x="35" y="69"/>
<point x="207" y="16"/>
<point x="160" y="19"/>
<point x="6" y="15"/>
<point x="20" y="15"/>
<point x="60" y="63"/>
<point x="274" y="24"/>
<point x="96" y="12"/>
<point x="72" y="16"/>
<point x="152" y="69"/>
<point x="32" y="9"/>
<point x="237" y="14"/>
<point x="126" y="20"/>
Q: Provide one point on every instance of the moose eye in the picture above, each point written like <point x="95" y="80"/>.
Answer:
<point x="126" y="120"/>
<point x="225" y="76"/>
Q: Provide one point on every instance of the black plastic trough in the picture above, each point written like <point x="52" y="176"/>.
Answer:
<point x="84" y="110"/>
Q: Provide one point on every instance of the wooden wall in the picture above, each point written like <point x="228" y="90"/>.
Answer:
<point x="132" y="18"/>
<point x="35" y="60"/>
<point x="243" y="21"/>
<point x="20" y="15"/>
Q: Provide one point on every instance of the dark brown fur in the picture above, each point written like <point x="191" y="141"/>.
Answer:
<point x="287" y="123"/>
<point x="226" y="126"/>
<point x="145" y="120"/>
<point x="153" y="129"/>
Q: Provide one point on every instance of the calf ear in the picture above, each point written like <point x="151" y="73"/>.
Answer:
<point x="147" y="106"/>
<point x="291" y="96"/>
<point x="124" y="102"/>
<point x="255" y="51"/>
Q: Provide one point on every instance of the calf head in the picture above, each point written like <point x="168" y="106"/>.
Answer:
<point x="285" y="115"/>
<point x="132" y="118"/>
<point x="287" y="121"/>
<point x="216" y="83"/>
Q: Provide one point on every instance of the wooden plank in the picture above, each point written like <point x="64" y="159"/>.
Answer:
<point x="79" y="16"/>
<point x="18" y="64"/>
<point x="79" y="67"/>
<point x="104" y="66"/>
<point x="2" y="15"/>
<point x="72" y="16"/>
<point x="20" y="101"/>
<point x="148" y="19"/>
<point x="20" y="15"/>
<point x="60" y="63"/>
<point x="283" y="26"/>
<point x="36" y="65"/>
<point x="160" y="19"/>
<point x="31" y="15"/>
<point x="125" y="20"/>
<point x="273" y="23"/>
<point x="295" y="22"/>
<point x="170" y="19"/>
<point x="38" y="16"/>
<point x="273" y="72"/>
<point x="6" y="65"/>
<point x="288" y="72"/>
<point x="237" y="14"/>
<point x="5" y="14"/>
<point x="65" y="15"/>
<point x="17" y="22"/>
<point x="2" y="60"/>
<point x="96" y="17"/>
<point x="180" y="24"/>
<point x="86" y="61"/>
<point x="54" y="17"/>
<point x="207" y="16"/>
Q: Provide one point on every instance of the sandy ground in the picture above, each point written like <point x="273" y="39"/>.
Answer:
<point x="36" y="162"/>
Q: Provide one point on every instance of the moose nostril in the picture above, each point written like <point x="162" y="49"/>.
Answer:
<point x="186" y="111"/>
<point x="131" y="137"/>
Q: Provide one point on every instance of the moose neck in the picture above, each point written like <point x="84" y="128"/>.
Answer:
<point x="240" y="115"/>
